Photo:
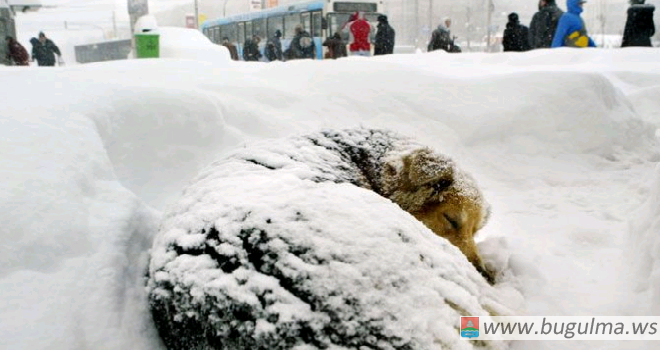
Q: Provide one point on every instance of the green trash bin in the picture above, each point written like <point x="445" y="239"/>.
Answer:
<point x="147" y="45"/>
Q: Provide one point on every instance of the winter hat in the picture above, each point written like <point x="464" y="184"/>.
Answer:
<point x="513" y="17"/>
<point x="42" y="34"/>
<point x="636" y="2"/>
<point x="278" y="33"/>
<point x="382" y="18"/>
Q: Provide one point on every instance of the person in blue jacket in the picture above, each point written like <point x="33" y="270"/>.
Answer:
<point x="571" y="30"/>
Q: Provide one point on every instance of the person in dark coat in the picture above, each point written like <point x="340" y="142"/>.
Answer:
<point x="302" y="45"/>
<point x="516" y="35"/>
<point x="441" y="37"/>
<point x="336" y="46"/>
<point x="44" y="50"/>
<point x="233" y="52"/>
<point x="639" y="25"/>
<point x="544" y="24"/>
<point x="274" y="47"/>
<point x="384" y="37"/>
<point x="251" y="49"/>
<point x="16" y="53"/>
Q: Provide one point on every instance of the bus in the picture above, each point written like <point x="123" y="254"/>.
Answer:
<point x="320" y="18"/>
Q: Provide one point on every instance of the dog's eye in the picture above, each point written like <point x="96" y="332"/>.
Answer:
<point x="454" y="223"/>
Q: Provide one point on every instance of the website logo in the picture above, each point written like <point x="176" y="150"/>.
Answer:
<point x="469" y="327"/>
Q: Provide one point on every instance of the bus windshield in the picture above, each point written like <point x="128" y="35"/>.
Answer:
<point x="336" y="20"/>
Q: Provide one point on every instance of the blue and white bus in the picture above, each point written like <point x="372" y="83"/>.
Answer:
<point x="321" y="18"/>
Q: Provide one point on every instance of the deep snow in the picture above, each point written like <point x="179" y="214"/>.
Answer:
<point x="562" y="142"/>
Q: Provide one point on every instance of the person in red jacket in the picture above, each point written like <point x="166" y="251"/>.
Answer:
<point x="16" y="53"/>
<point x="360" y="35"/>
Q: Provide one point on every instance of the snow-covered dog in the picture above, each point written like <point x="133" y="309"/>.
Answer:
<point x="302" y="243"/>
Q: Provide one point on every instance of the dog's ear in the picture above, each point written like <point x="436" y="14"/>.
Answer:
<point x="428" y="168"/>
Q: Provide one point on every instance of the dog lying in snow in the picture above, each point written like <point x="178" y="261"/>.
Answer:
<point x="424" y="183"/>
<point x="302" y="242"/>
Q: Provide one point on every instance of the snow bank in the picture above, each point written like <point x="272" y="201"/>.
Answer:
<point x="644" y="251"/>
<point x="182" y="43"/>
<point x="275" y="247"/>
<point x="191" y="44"/>
<point x="86" y="151"/>
<point x="74" y="237"/>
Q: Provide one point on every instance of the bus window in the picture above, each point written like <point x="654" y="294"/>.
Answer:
<point x="317" y="24"/>
<point x="216" y="35"/>
<point x="290" y="23"/>
<point x="248" y="30"/>
<point x="232" y="32"/>
<point x="259" y="27"/>
<point x="372" y="17"/>
<point x="336" y="21"/>
<point x="306" y="21"/>
<point x="241" y="33"/>
<point x="275" y="23"/>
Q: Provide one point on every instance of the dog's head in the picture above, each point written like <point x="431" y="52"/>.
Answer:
<point x="448" y="201"/>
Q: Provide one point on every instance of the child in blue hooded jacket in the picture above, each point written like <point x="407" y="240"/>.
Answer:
<point x="571" y="30"/>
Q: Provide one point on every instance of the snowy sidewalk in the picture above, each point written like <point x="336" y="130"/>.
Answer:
<point x="565" y="222"/>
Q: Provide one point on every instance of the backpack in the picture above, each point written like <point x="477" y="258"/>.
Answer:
<point x="578" y="38"/>
<point x="305" y="41"/>
<point x="441" y="40"/>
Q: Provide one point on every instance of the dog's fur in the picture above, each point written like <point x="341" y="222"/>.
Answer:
<point x="426" y="184"/>
<point x="445" y="199"/>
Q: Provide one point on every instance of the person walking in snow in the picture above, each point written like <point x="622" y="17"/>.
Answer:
<point x="251" y="49"/>
<point x="16" y="53"/>
<point x="233" y="52"/>
<point x="516" y="35"/>
<point x="336" y="47"/>
<point x="571" y="30"/>
<point x="44" y="51"/>
<point x="360" y="33"/>
<point x="274" y="47"/>
<point x="384" y="37"/>
<point x="544" y="24"/>
<point x="441" y="37"/>
<point x="639" y="24"/>
<point x="302" y="45"/>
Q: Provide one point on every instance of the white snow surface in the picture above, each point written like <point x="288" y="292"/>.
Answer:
<point x="561" y="141"/>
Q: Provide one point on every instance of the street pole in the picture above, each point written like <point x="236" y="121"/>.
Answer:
<point x="430" y="14"/>
<point x="468" y="26"/>
<point x="416" y="27"/>
<point x="114" y="24"/>
<point x="491" y="7"/>
<point x="224" y="9"/>
<point x="196" y="15"/>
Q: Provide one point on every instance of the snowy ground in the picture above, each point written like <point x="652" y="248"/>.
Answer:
<point x="562" y="142"/>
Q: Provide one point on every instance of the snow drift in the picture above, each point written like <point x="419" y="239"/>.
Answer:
<point x="644" y="250"/>
<point x="90" y="153"/>
<point x="277" y="248"/>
